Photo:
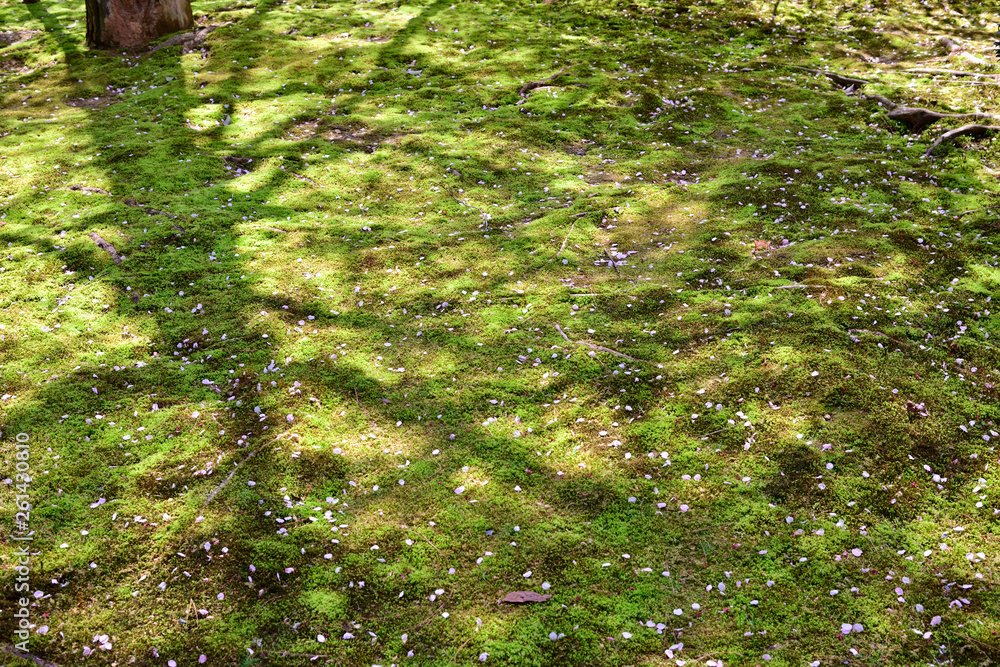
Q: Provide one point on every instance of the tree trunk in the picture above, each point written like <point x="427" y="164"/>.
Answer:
<point x="131" y="24"/>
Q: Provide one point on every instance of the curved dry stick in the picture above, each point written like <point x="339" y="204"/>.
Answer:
<point x="972" y="130"/>
<point x="531" y="85"/>
<point x="599" y="348"/>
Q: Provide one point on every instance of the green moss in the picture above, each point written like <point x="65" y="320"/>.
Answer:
<point x="381" y="243"/>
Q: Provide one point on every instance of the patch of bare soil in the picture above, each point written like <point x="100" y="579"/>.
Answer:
<point x="303" y="130"/>
<point x="600" y="177"/>
<point x="365" y="138"/>
<point x="15" y="36"/>
<point x="11" y="65"/>
<point x="95" y="103"/>
<point x="579" y="147"/>
<point x="238" y="166"/>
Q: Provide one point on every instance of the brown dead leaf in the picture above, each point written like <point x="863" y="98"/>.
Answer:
<point x="521" y="597"/>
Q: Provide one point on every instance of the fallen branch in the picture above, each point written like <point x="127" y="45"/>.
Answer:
<point x="6" y="648"/>
<point x="531" y="85"/>
<point x="303" y="178"/>
<point x="226" y="480"/>
<point x="485" y="216"/>
<point x="952" y="72"/>
<point x="917" y="119"/>
<point x="901" y="343"/>
<point x="563" y="246"/>
<point x="973" y="210"/>
<point x="974" y="83"/>
<point x="427" y="620"/>
<point x="612" y="263"/>
<point x="107" y="247"/>
<point x="150" y="211"/>
<point x="459" y="649"/>
<point x="85" y="188"/>
<point x="153" y="211"/>
<point x="599" y="348"/>
<point x="971" y="130"/>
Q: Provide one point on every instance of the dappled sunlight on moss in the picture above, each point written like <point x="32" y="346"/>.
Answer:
<point x="648" y="337"/>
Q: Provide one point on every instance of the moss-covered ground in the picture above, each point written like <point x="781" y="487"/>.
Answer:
<point x="641" y="339"/>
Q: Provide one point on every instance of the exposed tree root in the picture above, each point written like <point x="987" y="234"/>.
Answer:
<point x="188" y="41"/>
<point x="531" y="85"/>
<point x="840" y="80"/>
<point x="85" y="188"/>
<point x="600" y="348"/>
<point x="917" y="119"/>
<point x="107" y="247"/>
<point x="888" y="104"/>
<point x="971" y="130"/>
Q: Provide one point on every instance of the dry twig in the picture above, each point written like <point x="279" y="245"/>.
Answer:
<point x="42" y="662"/>
<point x="531" y="85"/>
<point x="563" y="246"/>
<point x="612" y="263"/>
<point x="600" y="348"/>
